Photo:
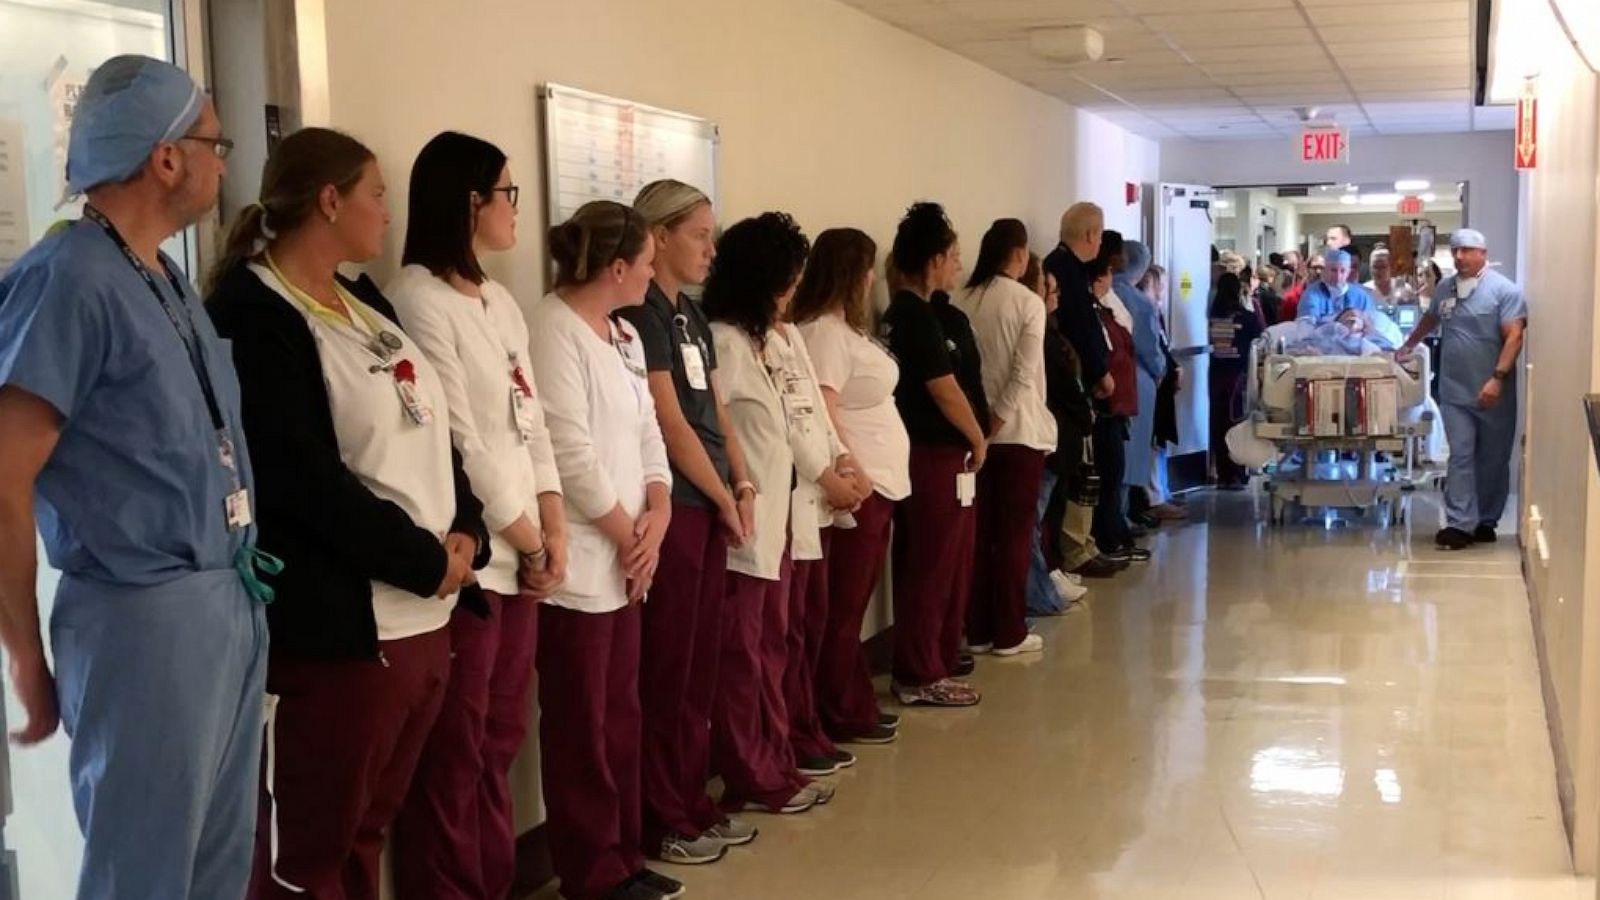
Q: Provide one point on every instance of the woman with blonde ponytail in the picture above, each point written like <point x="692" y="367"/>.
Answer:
<point x="360" y="496"/>
<point x="616" y="484"/>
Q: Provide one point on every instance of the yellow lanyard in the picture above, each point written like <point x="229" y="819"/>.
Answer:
<point x="368" y="323"/>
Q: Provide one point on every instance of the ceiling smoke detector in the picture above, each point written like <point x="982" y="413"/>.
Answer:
<point x="1069" y="45"/>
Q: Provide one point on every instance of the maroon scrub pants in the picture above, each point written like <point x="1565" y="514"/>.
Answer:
<point x="682" y="647"/>
<point x="1008" y="497"/>
<point x="589" y="726"/>
<point x="846" y="701"/>
<point x="342" y="741"/>
<point x="455" y="838"/>
<point x="933" y="539"/>
<point x="808" y="619"/>
<point x="750" y="721"/>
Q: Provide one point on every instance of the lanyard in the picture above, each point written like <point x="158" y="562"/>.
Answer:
<point x="379" y="341"/>
<point x="190" y="338"/>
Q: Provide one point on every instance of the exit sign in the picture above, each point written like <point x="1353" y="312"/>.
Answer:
<point x="1410" y="206"/>
<point x="1527" y="134"/>
<point x="1322" y="144"/>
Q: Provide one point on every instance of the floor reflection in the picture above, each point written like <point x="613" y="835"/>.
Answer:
<point x="1303" y="712"/>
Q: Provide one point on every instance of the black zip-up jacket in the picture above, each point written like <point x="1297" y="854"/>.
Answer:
<point x="333" y="534"/>
<point x="1079" y="314"/>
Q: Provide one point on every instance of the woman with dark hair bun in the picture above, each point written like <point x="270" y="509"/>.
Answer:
<point x="456" y="835"/>
<point x="615" y="481"/>
<point x="933" y="535"/>
<point x="767" y="384"/>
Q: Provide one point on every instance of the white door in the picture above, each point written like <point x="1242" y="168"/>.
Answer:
<point x="1184" y="248"/>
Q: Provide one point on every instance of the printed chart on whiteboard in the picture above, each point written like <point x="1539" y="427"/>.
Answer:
<point x="603" y="148"/>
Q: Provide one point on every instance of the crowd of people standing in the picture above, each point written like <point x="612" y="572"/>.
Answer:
<point x="387" y="509"/>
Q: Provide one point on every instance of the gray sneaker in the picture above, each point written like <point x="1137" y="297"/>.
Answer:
<point x="684" y="851"/>
<point x="731" y="832"/>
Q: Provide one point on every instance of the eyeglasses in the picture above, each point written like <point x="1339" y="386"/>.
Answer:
<point x="219" y="145"/>
<point x="511" y="191"/>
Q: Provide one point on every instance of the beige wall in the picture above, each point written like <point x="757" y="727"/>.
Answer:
<point x="824" y="112"/>
<point x="1562" y="546"/>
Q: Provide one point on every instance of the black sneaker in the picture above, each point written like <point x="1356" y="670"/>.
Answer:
<point x="965" y="665"/>
<point x="1129" y="554"/>
<point x="878" y="734"/>
<point x="635" y="889"/>
<point x="1138" y="531"/>
<point x="1484" y="534"/>
<point x="889" y="720"/>
<point x="1145" y="520"/>
<point x="1453" y="539"/>
<point x="817" y="766"/>
<point x="667" y="888"/>
<point x="845" y="758"/>
<point x="1099" y="567"/>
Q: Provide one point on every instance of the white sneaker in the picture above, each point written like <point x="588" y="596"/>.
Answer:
<point x="1030" y="644"/>
<point x="977" y="649"/>
<point x="1066" y="588"/>
<point x="1073" y="577"/>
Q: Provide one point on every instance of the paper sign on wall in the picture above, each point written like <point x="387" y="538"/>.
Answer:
<point x="13" y="195"/>
<point x="1185" y="285"/>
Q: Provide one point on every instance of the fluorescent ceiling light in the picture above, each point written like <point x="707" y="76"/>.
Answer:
<point x="1412" y="184"/>
<point x="1379" y="199"/>
<point x="1349" y="200"/>
<point x="1429" y="197"/>
<point x="1222" y="204"/>
<point x="1520" y="32"/>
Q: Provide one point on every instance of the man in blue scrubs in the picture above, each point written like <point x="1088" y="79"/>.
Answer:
<point x="1333" y="297"/>
<point x="1481" y="316"/>
<point x="119" y="432"/>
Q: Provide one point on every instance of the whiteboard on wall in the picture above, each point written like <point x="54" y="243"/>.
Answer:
<point x="602" y="148"/>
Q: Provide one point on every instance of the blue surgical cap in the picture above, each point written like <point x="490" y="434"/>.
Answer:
<point x="1333" y="256"/>
<point x="1468" y="239"/>
<point x="1135" y="259"/>
<point x="131" y="104"/>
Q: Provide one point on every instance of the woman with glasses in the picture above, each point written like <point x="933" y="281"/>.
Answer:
<point x="360" y="497"/>
<point x="713" y="507"/>
<point x="590" y="367"/>
<point x="455" y="837"/>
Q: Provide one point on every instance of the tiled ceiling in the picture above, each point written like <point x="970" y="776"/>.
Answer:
<point x="1231" y="69"/>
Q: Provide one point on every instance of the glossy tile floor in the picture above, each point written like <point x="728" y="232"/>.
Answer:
<point x="1296" y="714"/>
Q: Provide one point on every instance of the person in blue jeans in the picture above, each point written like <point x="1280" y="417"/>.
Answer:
<point x="1050" y="592"/>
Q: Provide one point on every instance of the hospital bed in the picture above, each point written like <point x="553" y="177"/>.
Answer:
<point x="1347" y="430"/>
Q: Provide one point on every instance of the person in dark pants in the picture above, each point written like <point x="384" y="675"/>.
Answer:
<point x="1113" y="412"/>
<point x="1234" y="327"/>
<point x="934" y="527"/>
<point x="364" y="500"/>
<point x="1010" y="323"/>
<point x="712" y="509"/>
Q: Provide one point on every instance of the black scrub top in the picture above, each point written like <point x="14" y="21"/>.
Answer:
<point x="665" y="329"/>
<point x="917" y="338"/>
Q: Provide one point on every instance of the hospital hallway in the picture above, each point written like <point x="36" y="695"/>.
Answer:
<point x="1298" y="713"/>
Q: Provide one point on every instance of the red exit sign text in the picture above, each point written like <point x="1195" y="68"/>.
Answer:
<point x="1324" y="145"/>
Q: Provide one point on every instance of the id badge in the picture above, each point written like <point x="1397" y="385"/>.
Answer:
<point x="967" y="488"/>
<point x="797" y="403"/>
<point x="237" y="506"/>
<point x="418" y="411"/>
<point x="694" y="366"/>
<point x="1447" y="307"/>
<point x="522" y="415"/>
